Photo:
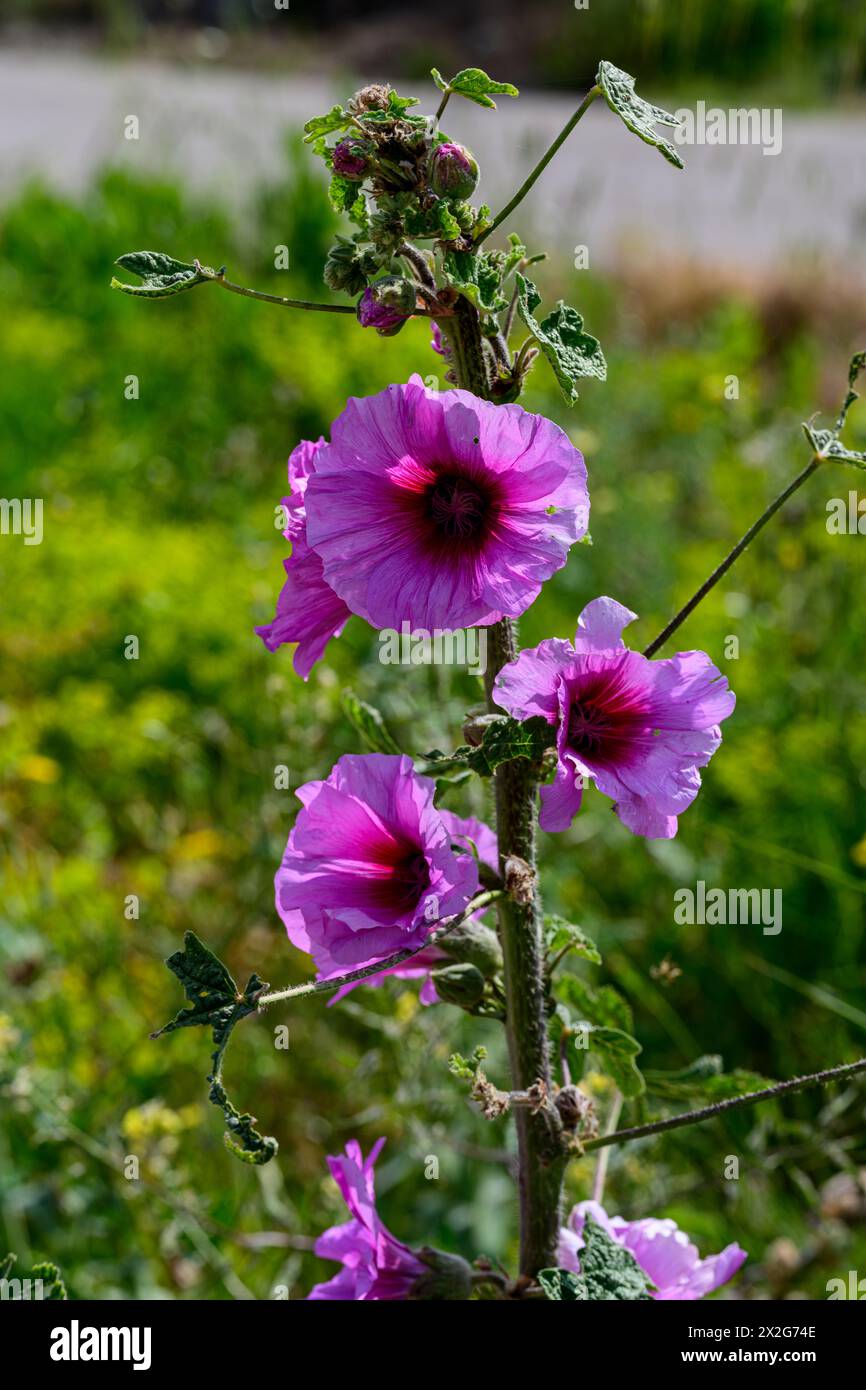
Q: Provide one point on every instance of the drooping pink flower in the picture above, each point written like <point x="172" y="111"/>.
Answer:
<point x="476" y="838"/>
<point x="441" y="509"/>
<point x="369" y="868"/>
<point x="308" y="611"/>
<point x="376" y="1266"/>
<point x="640" y="729"/>
<point x="663" y="1251"/>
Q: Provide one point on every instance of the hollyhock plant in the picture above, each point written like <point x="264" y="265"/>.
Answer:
<point x="308" y="611"/>
<point x="369" y="866"/>
<point x="375" y="1264"/>
<point x="640" y="729"/>
<point x="663" y="1251"/>
<point x="441" y="509"/>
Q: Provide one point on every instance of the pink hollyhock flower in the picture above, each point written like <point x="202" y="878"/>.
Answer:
<point x="308" y="610"/>
<point x="639" y="728"/>
<point x="441" y="509"/>
<point x="375" y="1264"/>
<point x="369" y="867"/>
<point x="663" y="1251"/>
<point x="476" y="838"/>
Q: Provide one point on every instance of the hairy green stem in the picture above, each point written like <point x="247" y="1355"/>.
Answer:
<point x="710" y="1112"/>
<point x="542" y="163"/>
<point x="541" y="1161"/>
<point x="219" y="279"/>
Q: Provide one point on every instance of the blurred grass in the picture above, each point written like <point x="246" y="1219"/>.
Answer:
<point x="155" y="777"/>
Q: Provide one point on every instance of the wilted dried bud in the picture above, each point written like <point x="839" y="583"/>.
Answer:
<point x="519" y="880"/>
<point x="453" y="171"/>
<point x="352" y="158"/>
<point x="461" y="984"/>
<point x="448" y="1276"/>
<point x="371" y="98"/>
<point x="577" y="1111"/>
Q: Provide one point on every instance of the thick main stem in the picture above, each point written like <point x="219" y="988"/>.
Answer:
<point x="541" y="1161"/>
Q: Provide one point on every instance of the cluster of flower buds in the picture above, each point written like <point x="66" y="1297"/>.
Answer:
<point x="399" y="179"/>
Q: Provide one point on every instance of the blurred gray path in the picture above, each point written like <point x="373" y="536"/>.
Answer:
<point x="62" y="117"/>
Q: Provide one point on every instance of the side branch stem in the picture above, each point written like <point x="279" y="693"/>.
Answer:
<point x="722" y="569"/>
<point x="366" y="971"/>
<point x="542" y="164"/>
<point x="276" y="298"/>
<point x="710" y="1112"/>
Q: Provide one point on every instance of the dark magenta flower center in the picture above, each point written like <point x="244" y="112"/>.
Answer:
<point x="608" y="717"/>
<point x="588" y="725"/>
<point x="458" y="507"/>
<point x="408" y="880"/>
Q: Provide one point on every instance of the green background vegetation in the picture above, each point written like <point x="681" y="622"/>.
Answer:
<point x="156" y="776"/>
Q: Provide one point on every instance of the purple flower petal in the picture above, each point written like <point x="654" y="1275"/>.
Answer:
<point x="369" y="866"/>
<point x="639" y="729"/>
<point x="663" y="1251"/>
<point x="441" y="509"/>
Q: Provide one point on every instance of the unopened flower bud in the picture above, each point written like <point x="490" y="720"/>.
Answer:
<point x="386" y="305"/>
<point x="474" y="944"/>
<point x="342" y="267"/>
<point x="453" y="171"/>
<point x="448" y="1276"/>
<point x="461" y="984"/>
<point x="352" y="158"/>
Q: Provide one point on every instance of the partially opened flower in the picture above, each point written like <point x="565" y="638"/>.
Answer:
<point x="476" y="838"/>
<point x="375" y="1264"/>
<point x="663" y="1251"/>
<point x="441" y="509"/>
<point x="369" y="866"/>
<point x="640" y="729"/>
<point x="308" y="611"/>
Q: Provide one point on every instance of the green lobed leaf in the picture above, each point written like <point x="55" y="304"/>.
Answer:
<point x="609" y="1271"/>
<point x="216" y="1002"/>
<point x="640" y="116"/>
<point x="826" y="445"/>
<point x="604" y="1006"/>
<point x="161" y="275"/>
<point x="478" y="278"/>
<point x="368" y="721"/>
<point x="571" y="352"/>
<point x="616" y="1049"/>
<point x="504" y="740"/>
<point x="562" y="1286"/>
<point x="475" y="85"/>
<point x="335" y="119"/>
<point x="507" y="739"/>
<point x="446" y="221"/>
<point x="561" y="935"/>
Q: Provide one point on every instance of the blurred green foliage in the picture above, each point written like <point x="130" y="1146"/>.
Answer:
<point x="155" y="776"/>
